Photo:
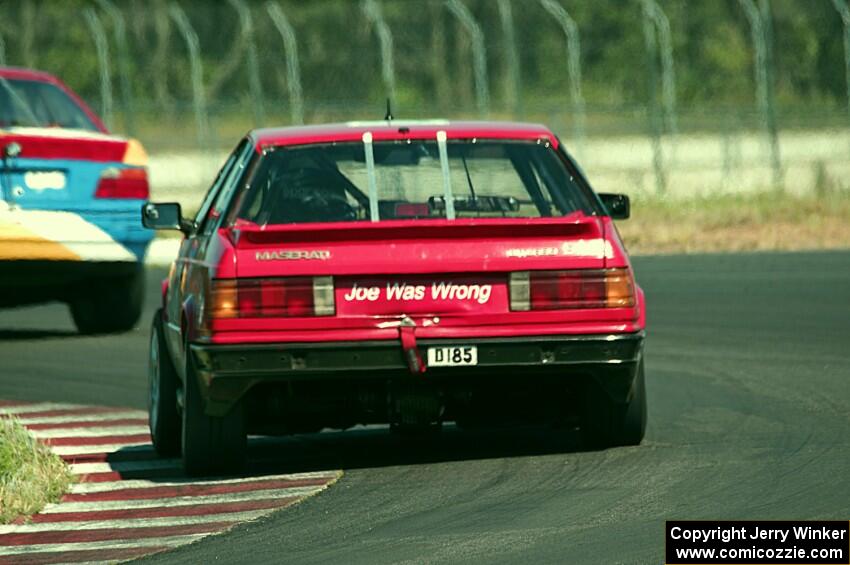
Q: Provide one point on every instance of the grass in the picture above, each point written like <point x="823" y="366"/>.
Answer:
<point x="30" y="474"/>
<point x="748" y="222"/>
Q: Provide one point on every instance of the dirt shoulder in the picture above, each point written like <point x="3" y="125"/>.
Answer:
<point x="759" y="222"/>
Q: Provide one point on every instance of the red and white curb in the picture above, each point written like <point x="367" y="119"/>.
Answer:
<point x="127" y="502"/>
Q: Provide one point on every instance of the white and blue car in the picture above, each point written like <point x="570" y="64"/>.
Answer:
<point x="70" y="195"/>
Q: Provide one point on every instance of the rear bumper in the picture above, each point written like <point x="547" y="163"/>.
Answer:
<point x="227" y="372"/>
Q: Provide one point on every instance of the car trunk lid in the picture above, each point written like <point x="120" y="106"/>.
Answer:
<point x="389" y="270"/>
<point x="55" y="167"/>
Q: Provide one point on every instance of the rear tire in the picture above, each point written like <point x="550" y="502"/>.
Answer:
<point x="606" y="423"/>
<point x="109" y="305"/>
<point x="163" y="382"/>
<point x="211" y="444"/>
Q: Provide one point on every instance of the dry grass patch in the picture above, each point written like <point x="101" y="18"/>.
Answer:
<point x="751" y="222"/>
<point x="30" y="474"/>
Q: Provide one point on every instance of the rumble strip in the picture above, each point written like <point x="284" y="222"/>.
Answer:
<point x="126" y="501"/>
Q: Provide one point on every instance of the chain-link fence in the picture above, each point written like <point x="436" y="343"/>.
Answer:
<point x="654" y="96"/>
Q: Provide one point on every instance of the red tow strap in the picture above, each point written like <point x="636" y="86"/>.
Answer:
<point x="415" y="363"/>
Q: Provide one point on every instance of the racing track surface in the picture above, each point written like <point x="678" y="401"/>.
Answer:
<point x="748" y="368"/>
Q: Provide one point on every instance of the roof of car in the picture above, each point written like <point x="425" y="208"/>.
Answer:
<point x="26" y="74"/>
<point x="389" y="130"/>
<point x="20" y="73"/>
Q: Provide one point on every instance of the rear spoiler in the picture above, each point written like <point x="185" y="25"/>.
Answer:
<point x="573" y="226"/>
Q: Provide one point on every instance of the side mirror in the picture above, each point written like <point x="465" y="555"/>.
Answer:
<point x="166" y="216"/>
<point x="617" y="205"/>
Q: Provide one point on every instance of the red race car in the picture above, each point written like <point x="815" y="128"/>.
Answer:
<point x="408" y="273"/>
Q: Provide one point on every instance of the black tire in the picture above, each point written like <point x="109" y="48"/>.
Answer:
<point x="606" y="423"/>
<point x="211" y="445"/>
<point x="109" y="305"/>
<point x="163" y="382"/>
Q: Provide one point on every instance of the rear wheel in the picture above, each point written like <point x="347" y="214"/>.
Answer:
<point x="109" y="305"/>
<point x="163" y="416"/>
<point x="606" y="423"/>
<point x="211" y="444"/>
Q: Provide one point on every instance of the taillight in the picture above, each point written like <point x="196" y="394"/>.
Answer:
<point x="123" y="183"/>
<point x="272" y="298"/>
<point x="559" y="290"/>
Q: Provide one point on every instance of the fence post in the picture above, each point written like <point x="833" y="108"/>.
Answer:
<point x="373" y="12"/>
<point x="123" y="57"/>
<point x="513" y="82"/>
<point x="29" y="22"/>
<point x="293" y="69"/>
<point x="479" y="54"/>
<point x="197" y="73"/>
<point x="571" y="33"/>
<point x="844" y="11"/>
<point x="763" y="90"/>
<point x="254" y="83"/>
<point x="772" y="128"/>
<point x="668" y="69"/>
<point x="652" y="81"/>
<point x="102" y="47"/>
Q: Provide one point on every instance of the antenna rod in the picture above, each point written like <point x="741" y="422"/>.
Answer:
<point x="389" y="116"/>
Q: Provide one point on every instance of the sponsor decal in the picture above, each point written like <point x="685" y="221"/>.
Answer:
<point x="533" y="252"/>
<point x="293" y="255"/>
<point x="436" y="291"/>
<point x="580" y="248"/>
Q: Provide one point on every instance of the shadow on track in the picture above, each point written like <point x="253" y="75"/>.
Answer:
<point x="363" y="448"/>
<point x="24" y="335"/>
<point x="376" y="447"/>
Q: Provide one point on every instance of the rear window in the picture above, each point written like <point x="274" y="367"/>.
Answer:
<point x="412" y="179"/>
<point x="30" y="103"/>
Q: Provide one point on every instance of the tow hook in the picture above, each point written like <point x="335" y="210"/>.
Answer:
<point x="407" y="335"/>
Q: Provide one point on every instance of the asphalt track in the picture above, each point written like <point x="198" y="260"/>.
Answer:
<point x="748" y="375"/>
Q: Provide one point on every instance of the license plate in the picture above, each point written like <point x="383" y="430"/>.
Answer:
<point x="45" y="180"/>
<point x="452" y="356"/>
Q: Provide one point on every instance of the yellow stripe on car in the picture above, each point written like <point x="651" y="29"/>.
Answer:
<point x="19" y="243"/>
<point x="135" y="154"/>
<point x="55" y="236"/>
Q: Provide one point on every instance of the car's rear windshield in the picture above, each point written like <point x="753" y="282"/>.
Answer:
<point x="411" y="179"/>
<point x="30" y="103"/>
